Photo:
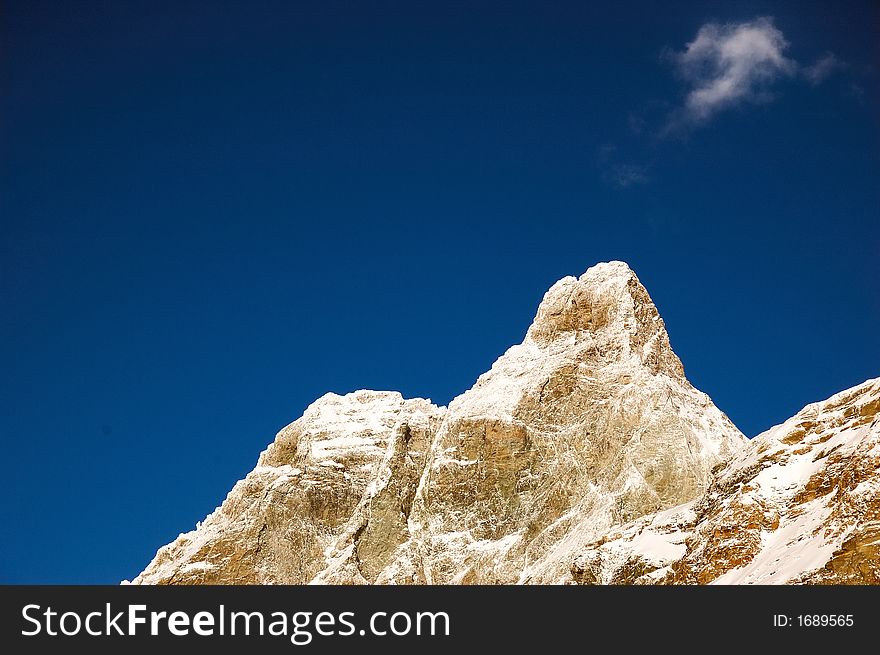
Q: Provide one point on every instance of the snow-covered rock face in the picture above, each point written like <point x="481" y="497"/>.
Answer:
<point x="586" y="425"/>
<point x="799" y="504"/>
<point x="280" y="523"/>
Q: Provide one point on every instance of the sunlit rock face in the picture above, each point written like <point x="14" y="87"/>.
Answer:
<point x="586" y="425"/>
<point x="311" y="486"/>
<point x="800" y="504"/>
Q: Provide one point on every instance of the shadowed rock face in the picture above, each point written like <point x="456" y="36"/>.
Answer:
<point x="799" y="505"/>
<point x="587" y="424"/>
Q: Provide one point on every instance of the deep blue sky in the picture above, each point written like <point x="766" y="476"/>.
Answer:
<point x="213" y="213"/>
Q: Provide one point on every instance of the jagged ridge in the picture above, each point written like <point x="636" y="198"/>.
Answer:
<point x="587" y="425"/>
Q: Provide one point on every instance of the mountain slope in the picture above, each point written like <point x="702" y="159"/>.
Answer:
<point x="277" y="523"/>
<point x="588" y="424"/>
<point x="799" y="504"/>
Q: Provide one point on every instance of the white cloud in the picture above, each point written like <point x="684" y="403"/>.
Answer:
<point x="824" y="66"/>
<point x="726" y="65"/>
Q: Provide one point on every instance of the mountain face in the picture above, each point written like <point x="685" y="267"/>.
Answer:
<point x="799" y="504"/>
<point x="583" y="455"/>
<point x="346" y="458"/>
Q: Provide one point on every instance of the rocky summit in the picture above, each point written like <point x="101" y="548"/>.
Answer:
<point x="583" y="455"/>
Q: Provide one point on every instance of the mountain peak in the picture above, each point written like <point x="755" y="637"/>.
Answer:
<point x="609" y="308"/>
<point x="613" y="268"/>
<point x="586" y="424"/>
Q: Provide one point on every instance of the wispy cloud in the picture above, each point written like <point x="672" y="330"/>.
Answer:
<point x="636" y="122"/>
<point x="727" y="65"/>
<point x="620" y="174"/>
<point x="625" y="176"/>
<point x="824" y="67"/>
